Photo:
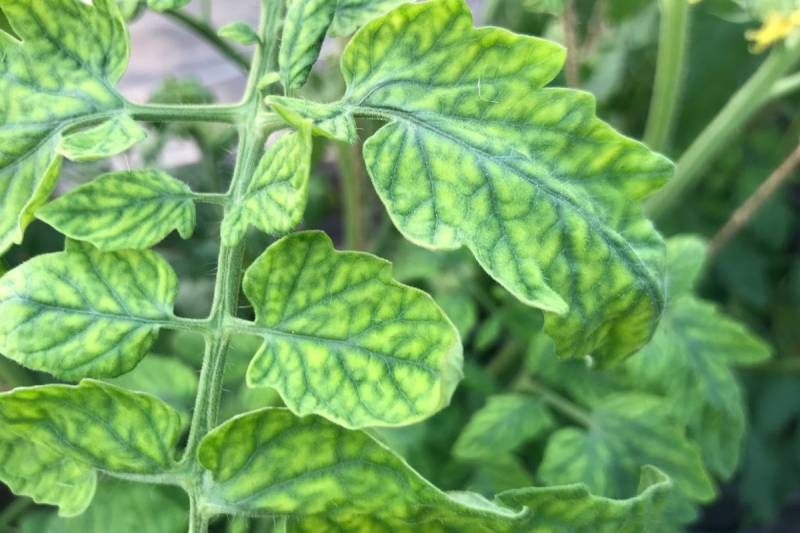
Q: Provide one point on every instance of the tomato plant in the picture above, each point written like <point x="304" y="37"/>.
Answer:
<point x="328" y="379"/>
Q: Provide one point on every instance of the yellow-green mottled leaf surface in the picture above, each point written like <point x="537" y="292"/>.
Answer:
<point x="109" y="138"/>
<point x="97" y="424"/>
<point x="346" y="341"/>
<point x="271" y="462"/>
<point x="575" y="509"/>
<point x="478" y="153"/>
<point x="239" y="32"/>
<point x="60" y="75"/>
<point x="502" y="425"/>
<point x="692" y="357"/>
<point x="625" y="432"/>
<point x="124" y="210"/>
<point x="44" y="474"/>
<point x="276" y="197"/>
<point x="352" y="14"/>
<point x="304" y="29"/>
<point x="108" y="308"/>
<point x="328" y="119"/>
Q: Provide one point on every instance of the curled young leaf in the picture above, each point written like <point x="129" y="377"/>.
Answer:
<point x="346" y="341"/>
<point x="276" y="198"/>
<point x="109" y="308"/>
<point x="478" y="153"/>
<point x="58" y="76"/>
<point x="97" y="424"/>
<point x="124" y="210"/>
<point x="239" y="32"/>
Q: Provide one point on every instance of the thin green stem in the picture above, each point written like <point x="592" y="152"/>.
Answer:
<point x="353" y="194"/>
<point x="559" y="403"/>
<point x="231" y="114"/>
<point x="750" y="99"/>
<point x="204" y="30"/>
<point x="672" y="46"/>
<point x="13" y="511"/>
<point x="785" y="87"/>
<point x="213" y="198"/>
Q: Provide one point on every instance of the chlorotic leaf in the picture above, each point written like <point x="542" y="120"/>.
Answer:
<point x="477" y="153"/>
<point x="109" y="138"/>
<point x="574" y="508"/>
<point x="45" y="475"/>
<point x="328" y="120"/>
<point x="97" y="424"/>
<point x="124" y="210"/>
<point x="57" y="77"/>
<point x="276" y="197"/>
<point x="352" y="14"/>
<point x="327" y="478"/>
<point x="109" y="308"/>
<point x="626" y="431"/>
<point x="304" y="29"/>
<point x="239" y="32"/>
<point x="346" y="341"/>
<point x="502" y="425"/>
<point x="164" y="5"/>
<point x="692" y="357"/>
<point x="686" y="255"/>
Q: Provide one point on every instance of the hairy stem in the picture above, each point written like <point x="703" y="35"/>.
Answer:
<point x="672" y="43"/>
<point x="204" y="30"/>
<point x="253" y="133"/>
<point x="231" y="114"/>
<point x="753" y="205"/>
<point x="726" y="125"/>
<point x="353" y="193"/>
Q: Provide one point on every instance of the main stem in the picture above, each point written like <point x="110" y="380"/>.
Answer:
<point x="669" y="69"/>
<point x="252" y="136"/>
<point x="725" y="126"/>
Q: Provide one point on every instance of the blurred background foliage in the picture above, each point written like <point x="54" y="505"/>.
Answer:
<point x="754" y="278"/>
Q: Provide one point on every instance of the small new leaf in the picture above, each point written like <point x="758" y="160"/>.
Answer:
<point x="328" y="479"/>
<point x="276" y="198"/>
<point x="60" y="75"/>
<point x="95" y="423"/>
<point x="239" y="32"/>
<point x="304" y="29"/>
<point x="112" y="137"/>
<point x="124" y="210"/>
<point x="502" y="425"/>
<point x="346" y="341"/>
<point x="108" y="307"/>
<point x="328" y="119"/>
<point x="45" y="475"/>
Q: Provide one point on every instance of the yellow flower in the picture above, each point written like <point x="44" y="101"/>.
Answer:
<point x="776" y="27"/>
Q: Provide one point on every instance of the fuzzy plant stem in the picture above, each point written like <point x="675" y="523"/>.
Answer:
<point x="673" y="39"/>
<point x="748" y="101"/>
<point x="204" y="30"/>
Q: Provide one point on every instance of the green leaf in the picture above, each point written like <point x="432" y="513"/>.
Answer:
<point x="686" y="255"/>
<point x="108" y="307"/>
<point x="45" y="475"/>
<point x="328" y="121"/>
<point x="478" y="154"/>
<point x="239" y="32"/>
<point x="97" y="424"/>
<point x="124" y="210"/>
<point x="59" y="77"/>
<point x="276" y="197"/>
<point x="124" y="508"/>
<point x="692" y="356"/>
<point x="502" y="425"/>
<point x="112" y="137"/>
<point x="163" y="377"/>
<point x="352" y="14"/>
<point x="164" y="5"/>
<point x="625" y="431"/>
<point x="575" y="509"/>
<point x="327" y="478"/>
<point x="304" y="29"/>
<point x="346" y="341"/>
